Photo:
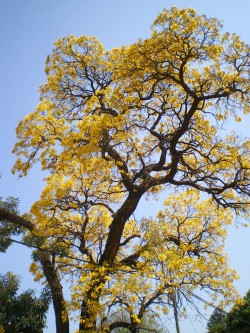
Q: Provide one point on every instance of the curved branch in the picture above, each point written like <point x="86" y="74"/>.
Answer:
<point x="129" y="238"/>
<point x="16" y="219"/>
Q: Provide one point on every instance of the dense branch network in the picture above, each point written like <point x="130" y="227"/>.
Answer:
<point x="114" y="126"/>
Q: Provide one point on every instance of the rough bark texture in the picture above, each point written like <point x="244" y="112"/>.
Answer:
<point x="62" y="321"/>
<point x="117" y="226"/>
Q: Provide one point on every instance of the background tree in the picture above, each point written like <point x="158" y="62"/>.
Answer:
<point x="12" y="224"/>
<point x="236" y="321"/>
<point x="217" y="322"/>
<point x="238" y="318"/>
<point x="114" y="126"/>
<point x="23" y="313"/>
<point x="7" y="229"/>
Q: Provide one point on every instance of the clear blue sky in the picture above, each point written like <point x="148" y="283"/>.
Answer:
<point x="28" y="29"/>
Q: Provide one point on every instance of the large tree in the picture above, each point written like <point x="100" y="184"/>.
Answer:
<point x="115" y="126"/>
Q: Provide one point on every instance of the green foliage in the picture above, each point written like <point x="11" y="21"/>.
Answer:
<point x="23" y="313"/>
<point x="7" y="229"/>
<point x="217" y="322"/>
<point x="236" y="321"/>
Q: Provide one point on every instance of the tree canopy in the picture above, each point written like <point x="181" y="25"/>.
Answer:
<point x="23" y="313"/>
<point x="115" y="126"/>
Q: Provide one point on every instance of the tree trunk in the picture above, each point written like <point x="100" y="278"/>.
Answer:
<point x="61" y="314"/>
<point x="87" y="320"/>
<point x="62" y="321"/>
<point x="117" y="226"/>
<point x="90" y="304"/>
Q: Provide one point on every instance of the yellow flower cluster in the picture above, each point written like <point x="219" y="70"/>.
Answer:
<point x="115" y="125"/>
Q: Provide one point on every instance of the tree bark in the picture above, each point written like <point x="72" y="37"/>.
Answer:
<point x="117" y="226"/>
<point x="88" y="316"/>
<point x="61" y="315"/>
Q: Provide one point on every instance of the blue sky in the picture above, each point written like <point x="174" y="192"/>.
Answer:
<point x="28" y="29"/>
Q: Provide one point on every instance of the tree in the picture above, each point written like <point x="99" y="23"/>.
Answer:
<point x="116" y="126"/>
<point x="238" y="317"/>
<point x="217" y="322"/>
<point x="236" y="321"/>
<point x="24" y="313"/>
<point x="7" y="229"/>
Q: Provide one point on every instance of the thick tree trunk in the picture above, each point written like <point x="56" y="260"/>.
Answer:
<point x="88" y="317"/>
<point x="61" y="315"/>
<point x="87" y="320"/>
<point x="117" y="226"/>
<point x="90" y="305"/>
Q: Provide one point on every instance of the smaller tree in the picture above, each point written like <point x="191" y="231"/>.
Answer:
<point x="24" y="313"/>
<point x="217" y="322"/>
<point x="7" y="229"/>
<point x="236" y="321"/>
